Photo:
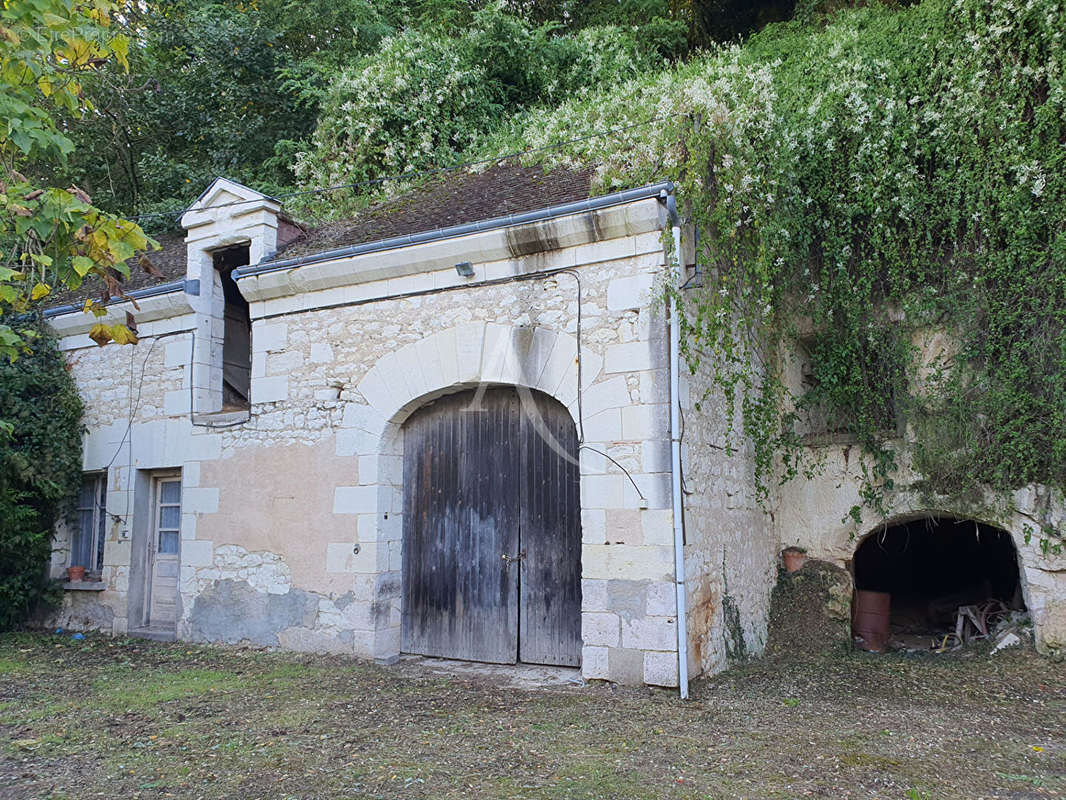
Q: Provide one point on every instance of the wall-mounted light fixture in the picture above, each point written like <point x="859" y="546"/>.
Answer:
<point x="465" y="269"/>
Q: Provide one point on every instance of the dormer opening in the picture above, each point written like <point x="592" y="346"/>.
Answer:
<point x="237" y="330"/>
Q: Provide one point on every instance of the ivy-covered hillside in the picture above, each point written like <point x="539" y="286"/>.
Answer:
<point x="865" y="180"/>
<point x="860" y="172"/>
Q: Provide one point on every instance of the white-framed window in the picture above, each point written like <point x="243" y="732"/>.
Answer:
<point x="168" y="514"/>
<point x="87" y="541"/>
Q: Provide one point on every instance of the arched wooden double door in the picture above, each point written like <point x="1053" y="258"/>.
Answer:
<point x="492" y="529"/>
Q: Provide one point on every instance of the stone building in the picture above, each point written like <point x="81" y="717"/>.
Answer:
<point x="444" y="427"/>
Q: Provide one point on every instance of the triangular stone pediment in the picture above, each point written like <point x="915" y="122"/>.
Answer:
<point x="221" y="193"/>
<point x="223" y="197"/>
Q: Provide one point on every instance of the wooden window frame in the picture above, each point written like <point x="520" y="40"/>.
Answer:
<point x="98" y="510"/>
<point x="157" y="509"/>
<point x="236" y="324"/>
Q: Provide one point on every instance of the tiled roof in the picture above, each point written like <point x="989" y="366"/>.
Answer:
<point x="453" y="199"/>
<point x="170" y="260"/>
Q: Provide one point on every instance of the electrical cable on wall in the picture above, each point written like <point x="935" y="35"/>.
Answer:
<point x="643" y="499"/>
<point x="127" y="436"/>
<point x="532" y="276"/>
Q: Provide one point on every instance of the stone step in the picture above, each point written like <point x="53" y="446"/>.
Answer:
<point x="155" y="634"/>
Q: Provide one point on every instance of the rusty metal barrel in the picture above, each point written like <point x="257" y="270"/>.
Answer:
<point x="870" y="618"/>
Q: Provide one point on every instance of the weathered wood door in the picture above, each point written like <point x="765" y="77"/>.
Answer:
<point x="492" y="537"/>
<point x="164" y="553"/>
<point x="550" y="536"/>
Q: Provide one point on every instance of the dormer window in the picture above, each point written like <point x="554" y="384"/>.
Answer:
<point x="229" y="226"/>
<point x="237" y="330"/>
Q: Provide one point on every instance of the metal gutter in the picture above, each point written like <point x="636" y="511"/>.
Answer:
<point x="452" y="231"/>
<point x="188" y="286"/>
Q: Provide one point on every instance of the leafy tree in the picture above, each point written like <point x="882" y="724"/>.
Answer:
<point x="53" y="236"/>
<point x="237" y="88"/>
<point x="215" y="88"/>
<point x="40" y="468"/>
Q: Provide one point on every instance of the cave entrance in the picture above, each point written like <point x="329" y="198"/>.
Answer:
<point x="938" y="570"/>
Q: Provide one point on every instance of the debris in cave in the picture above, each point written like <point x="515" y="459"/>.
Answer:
<point x="951" y="582"/>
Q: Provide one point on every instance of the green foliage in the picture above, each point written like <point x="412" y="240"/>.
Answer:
<point x="25" y="545"/>
<point x="871" y="182"/>
<point x="425" y="97"/>
<point x="51" y="236"/>
<point x="227" y="87"/>
<point x="214" y="88"/>
<point x="40" y="469"/>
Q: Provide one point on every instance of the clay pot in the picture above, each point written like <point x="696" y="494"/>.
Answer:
<point x="794" y="558"/>
<point x="869" y="620"/>
<point x="75" y="574"/>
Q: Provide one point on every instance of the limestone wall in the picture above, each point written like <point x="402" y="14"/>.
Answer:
<point x="731" y="545"/>
<point x="292" y="521"/>
<point x="815" y="514"/>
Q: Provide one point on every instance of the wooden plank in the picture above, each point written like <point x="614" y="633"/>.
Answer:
<point x="550" y="589"/>
<point x="460" y="517"/>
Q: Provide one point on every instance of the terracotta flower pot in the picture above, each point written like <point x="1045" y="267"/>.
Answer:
<point x="75" y="574"/>
<point x="794" y="558"/>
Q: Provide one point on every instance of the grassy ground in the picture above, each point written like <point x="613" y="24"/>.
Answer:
<point x="107" y="718"/>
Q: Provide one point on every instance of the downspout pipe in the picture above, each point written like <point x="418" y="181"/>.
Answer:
<point x="676" y="279"/>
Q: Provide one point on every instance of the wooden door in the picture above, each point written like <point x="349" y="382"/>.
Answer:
<point x="164" y="553"/>
<point x="492" y="538"/>
<point x="550" y="532"/>
<point x="460" y="521"/>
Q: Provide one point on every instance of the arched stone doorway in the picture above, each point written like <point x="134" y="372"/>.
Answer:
<point x="492" y="529"/>
<point x="932" y="566"/>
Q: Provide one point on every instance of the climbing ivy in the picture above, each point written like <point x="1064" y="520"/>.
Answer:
<point x="888" y="185"/>
<point x="40" y="468"/>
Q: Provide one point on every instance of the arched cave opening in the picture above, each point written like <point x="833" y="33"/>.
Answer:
<point x="934" y="569"/>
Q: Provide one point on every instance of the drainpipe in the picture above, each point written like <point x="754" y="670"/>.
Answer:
<point x="675" y="448"/>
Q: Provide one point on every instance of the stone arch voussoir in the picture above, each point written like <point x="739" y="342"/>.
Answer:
<point x="468" y="355"/>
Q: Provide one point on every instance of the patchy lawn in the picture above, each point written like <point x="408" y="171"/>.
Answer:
<point x="119" y="718"/>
